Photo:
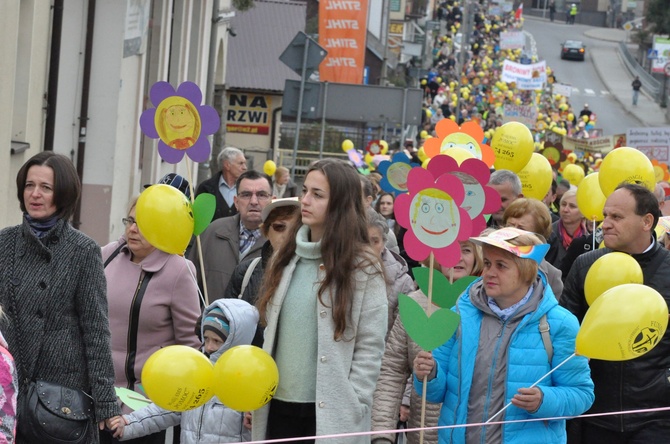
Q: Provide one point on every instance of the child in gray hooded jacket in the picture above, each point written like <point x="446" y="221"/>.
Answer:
<point x="226" y="323"/>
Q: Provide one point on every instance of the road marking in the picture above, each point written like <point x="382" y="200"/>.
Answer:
<point x="589" y="92"/>
<point x="604" y="93"/>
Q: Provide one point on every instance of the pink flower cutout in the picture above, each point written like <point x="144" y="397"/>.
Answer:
<point x="432" y="214"/>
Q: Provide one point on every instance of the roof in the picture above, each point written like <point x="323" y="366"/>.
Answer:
<point x="263" y="33"/>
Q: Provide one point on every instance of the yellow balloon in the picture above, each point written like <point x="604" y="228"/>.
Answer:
<point x="347" y="145"/>
<point x="385" y="146"/>
<point x="423" y="134"/>
<point x="513" y="145"/>
<point x="424" y="164"/>
<point x="600" y="277"/>
<point x="459" y="154"/>
<point x="590" y="198"/>
<point x="572" y="157"/>
<point x="624" y="323"/>
<point x="571" y="117"/>
<point x="421" y="154"/>
<point x="429" y="114"/>
<point x="269" y="167"/>
<point x="165" y="218"/>
<point x="246" y="378"/>
<point x="536" y="177"/>
<point x="573" y="174"/>
<point x="178" y="378"/>
<point x="625" y="164"/>
<point x="585" y="118"/>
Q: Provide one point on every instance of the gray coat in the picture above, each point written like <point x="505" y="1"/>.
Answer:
<point x="212" y="422"/>
<point x="221" y="254"/>
<point x="56" y="325"/>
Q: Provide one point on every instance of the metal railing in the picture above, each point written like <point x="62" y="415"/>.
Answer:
<point x="649" y="83"/>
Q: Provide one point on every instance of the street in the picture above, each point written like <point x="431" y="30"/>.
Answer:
<point x="587" y="85"/>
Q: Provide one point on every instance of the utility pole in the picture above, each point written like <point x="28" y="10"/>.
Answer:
<point x="465" y="44"/>
<point x="385" y="39"/>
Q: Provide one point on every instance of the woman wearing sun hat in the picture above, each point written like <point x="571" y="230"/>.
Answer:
<point x="499" y="352"/>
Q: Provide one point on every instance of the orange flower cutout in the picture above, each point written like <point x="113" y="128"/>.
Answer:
<point x="470" y="137"/>
<point x="660" y="170"/>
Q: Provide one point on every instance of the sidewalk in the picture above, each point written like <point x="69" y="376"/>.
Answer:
<point x="614" y="74"/>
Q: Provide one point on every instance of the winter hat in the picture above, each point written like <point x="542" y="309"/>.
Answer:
<point x="177" y="181"/>
<point x="216" y="322"/>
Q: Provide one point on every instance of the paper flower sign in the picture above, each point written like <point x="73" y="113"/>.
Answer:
<point x="394" y="173"/>
<point x="433" y="217"/>
<point x="180" y="122"/>
<point x="474" y="175"/>
<point x="469" y="137"/>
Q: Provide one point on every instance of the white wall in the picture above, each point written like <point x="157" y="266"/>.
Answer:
<point x="24" y="43"/>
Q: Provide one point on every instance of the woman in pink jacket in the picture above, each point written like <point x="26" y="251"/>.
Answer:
<point x="153" y="303"/>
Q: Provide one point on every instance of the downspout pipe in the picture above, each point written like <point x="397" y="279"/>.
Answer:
<point x="83" y="112"/>
<point x="54" y="66"/>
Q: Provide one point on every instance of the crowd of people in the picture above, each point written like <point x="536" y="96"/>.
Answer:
<point x="317" y="287"/>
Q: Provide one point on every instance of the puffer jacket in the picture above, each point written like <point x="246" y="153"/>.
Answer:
<point x="640" y="383"/>
<point x="397" y="281"/>
<point x="396" y="368"/>
<point x="212" y="422"/>
<point x="568" y="392"/>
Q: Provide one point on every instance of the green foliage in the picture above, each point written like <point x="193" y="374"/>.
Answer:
<point x="243" y="5"/>
<point x="658" y="16"/>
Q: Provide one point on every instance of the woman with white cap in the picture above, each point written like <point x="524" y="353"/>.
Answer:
<point x="503" y="347"/>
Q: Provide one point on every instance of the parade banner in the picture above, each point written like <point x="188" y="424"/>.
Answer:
<point x="526" y="114"/>
<point x="653" y="142"/>
<point x="602" y="145"/>
<point x="512" y="40"/>
<point x="662" y="48"/>
<point x="514" y="72"/>
<point x="342" y="32"/>
<point x="562" y="89"/>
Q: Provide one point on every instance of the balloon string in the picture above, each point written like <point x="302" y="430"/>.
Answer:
<point x="534" y="384"/>
<point x="198" y="244"/>
<point x="458" y="426"/>
<point x="202" y="299"/>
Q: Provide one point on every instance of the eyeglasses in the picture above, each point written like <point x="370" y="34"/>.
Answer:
<point x="128" y="221"/>
<point x="260" y="195"/>
<point x="278" y="227"/>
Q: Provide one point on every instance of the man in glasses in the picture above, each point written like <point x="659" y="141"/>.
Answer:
<point x="229" y="240"/>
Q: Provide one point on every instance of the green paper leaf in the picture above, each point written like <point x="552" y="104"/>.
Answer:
<point x="132" y="399"/>
<point x="203" y="211"/>
<point x="428" y="332"/>
<point x="444" y="293"/>
<point x="487" y="217"/>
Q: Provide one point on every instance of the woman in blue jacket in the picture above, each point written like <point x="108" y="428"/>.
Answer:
<point x="499" y="352"/>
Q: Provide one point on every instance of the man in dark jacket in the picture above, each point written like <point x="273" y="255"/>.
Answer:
<point x="222" y="185"/>
<point x="631" y="213"/>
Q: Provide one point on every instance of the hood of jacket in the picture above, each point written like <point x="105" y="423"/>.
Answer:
<point x="243" y="319"/>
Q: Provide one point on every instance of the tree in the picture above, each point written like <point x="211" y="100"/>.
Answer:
<point x="658" y="16"/>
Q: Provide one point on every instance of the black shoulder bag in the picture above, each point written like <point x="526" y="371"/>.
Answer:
<point x="50" y="412"/>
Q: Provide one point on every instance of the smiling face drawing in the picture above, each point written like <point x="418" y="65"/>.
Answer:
<point x="462" y="140"/>
<point x="397" y="175"/>
<point x="177" y="122"/>
<point x="435" y="219"/>
<point x="474" y="199"/>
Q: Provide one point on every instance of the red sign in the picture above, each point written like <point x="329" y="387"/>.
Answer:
<point x="342" y="31"/>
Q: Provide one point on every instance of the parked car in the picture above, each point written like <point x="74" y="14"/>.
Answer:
<point x="573" y="49"/>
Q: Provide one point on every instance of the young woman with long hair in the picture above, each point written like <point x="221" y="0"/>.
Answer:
<point x="324" y="305"/>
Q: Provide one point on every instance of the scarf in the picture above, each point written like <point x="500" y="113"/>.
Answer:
<point x="40" y="227"/>
<point x="566" y="238"/>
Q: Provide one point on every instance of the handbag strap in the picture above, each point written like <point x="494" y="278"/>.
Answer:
<point x="133" y="327"/>
<point x="114" y="254"/>
<point x="247" y="276"/>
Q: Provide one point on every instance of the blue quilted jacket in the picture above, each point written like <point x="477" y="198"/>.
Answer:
<point x="568" y="391"/>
